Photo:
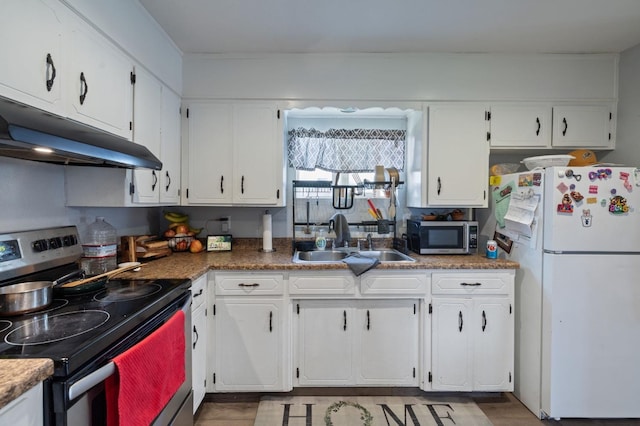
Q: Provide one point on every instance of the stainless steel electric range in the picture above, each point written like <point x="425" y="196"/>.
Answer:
<point x="83" y="329"/>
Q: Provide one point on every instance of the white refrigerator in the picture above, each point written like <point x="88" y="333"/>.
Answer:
<point x="576" y="233"/>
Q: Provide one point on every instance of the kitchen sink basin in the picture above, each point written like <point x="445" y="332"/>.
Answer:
<point x="336" y="256"/>
<point x="387" y="255"/>
<point x="319" y="256"/>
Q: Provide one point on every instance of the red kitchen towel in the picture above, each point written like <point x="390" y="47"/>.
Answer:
<point x="147" y="376"/>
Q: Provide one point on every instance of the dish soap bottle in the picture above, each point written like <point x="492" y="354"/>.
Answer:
<point x="321" y="239"/>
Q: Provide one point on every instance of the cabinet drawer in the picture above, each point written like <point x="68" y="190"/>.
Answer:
<point x="472" y="282"/>
<point x="198" y="291"/>
<point x="322" y="283"/>
<point x="249" y="284"/>
<point x="396" y="282"/>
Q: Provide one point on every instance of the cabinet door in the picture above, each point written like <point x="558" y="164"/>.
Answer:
<point x="388" y="349"/>
<point x="458" y="155"/>
<point x="582" y="126"/>
<point x="170" y="148"/>
<point x="249" y="343"/>
<point x="25" y="410"/>
<point x="32" y="63"/>
<point x="451" y="344"/>
<point x="325" y="342"/>
<point x="493" y="349"/>
<point x="258" y="154"/>
<point x="210" y="153"/>
<point x="98" y="81"/>
<point x="147" y="109"/>
<point x="521" y="126"/>
<point x="199" y="355"/>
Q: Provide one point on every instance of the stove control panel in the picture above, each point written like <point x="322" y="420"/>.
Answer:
<point x="33" y="251"/>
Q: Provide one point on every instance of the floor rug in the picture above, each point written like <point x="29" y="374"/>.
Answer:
<point x="369" y="411"/>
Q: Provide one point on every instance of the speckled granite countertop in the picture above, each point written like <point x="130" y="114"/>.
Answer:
<point x="246" y="255"/>
<point x="19" y="375"/>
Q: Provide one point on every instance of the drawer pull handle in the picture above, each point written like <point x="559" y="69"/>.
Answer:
<point x="460" y="322"/>
<point x="198" y="294"/>
<point x="484" y="320"/>
<point x="368" y="320"/>
<point x="471" y="284"/>
<point x="270" y="321"/>
<point x="249" y="285"/>
<point x="344" y="326"/>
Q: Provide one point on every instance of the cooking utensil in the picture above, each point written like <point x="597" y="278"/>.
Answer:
<point x="109" y="274"/>
<point x="392" y="199"/>
<point x="307" y="229"/>
<point x="21" y="298"/>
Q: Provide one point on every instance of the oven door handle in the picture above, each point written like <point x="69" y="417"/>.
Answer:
<point x="86" y="383"/>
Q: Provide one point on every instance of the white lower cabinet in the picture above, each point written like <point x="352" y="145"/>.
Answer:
<point x="199" y="339"/>
<point x="249" y="338"/>
<point x="325" y="343"/>
<point x="25" y="410"/>
<point x="250" y="333"/>
<point x="472" y="343"/>
<point x="357" y="342"/>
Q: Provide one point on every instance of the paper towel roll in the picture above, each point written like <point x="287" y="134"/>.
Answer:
<point x="267" y="243"/>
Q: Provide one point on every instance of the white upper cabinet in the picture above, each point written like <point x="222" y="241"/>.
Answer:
<point x="583" y="126"/>
<point x="98" y="81"/>
<point x="147" y="113"/>
<point x="531" y="126"/>
<point x="234" y="154"/>
<point x="63" y="65"/>
<point x="32" y="68"/>
<point x="209" y="152"/>
<point x="170" y="148"/>
<point x="520" y="125"/>
<point x="457" y="155"/>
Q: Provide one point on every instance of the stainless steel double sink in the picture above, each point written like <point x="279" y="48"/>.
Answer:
<point x="336" y="256"/>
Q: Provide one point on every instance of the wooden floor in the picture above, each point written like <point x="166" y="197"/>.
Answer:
<point x="502" y="409"/>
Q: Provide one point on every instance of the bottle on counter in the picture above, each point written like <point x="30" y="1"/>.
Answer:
<point x="99" y="248"/>
<point x="321" y="239"/>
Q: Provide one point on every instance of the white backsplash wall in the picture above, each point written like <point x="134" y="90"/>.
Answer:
<point x="32" y="197"/>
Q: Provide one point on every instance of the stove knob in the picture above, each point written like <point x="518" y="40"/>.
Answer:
<point x="55" y="243"/>
<point x="40" y="245"/>
<point x="69" y="240"/>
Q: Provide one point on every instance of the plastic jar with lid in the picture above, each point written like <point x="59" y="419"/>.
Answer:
<point x="99" y="247"/>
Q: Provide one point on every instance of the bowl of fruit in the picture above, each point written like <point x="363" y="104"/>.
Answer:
<point x="180" y="242"/>
<point x="180" y="235"/>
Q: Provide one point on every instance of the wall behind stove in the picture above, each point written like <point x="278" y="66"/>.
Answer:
<point x="32" y="196"/>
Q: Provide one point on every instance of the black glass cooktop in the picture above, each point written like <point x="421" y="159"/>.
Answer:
<point x="76" y="328"/>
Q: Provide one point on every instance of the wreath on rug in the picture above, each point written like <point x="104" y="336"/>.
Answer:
<point x="365" y="415"/>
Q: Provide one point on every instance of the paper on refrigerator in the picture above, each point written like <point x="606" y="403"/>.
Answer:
<point x="520" y="219"/>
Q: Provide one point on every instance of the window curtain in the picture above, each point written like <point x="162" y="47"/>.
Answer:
<point x="346" y="150"/>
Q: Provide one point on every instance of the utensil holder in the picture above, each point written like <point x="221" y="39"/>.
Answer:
<point x="383" y="226"/>
<point x="343" y="197"/>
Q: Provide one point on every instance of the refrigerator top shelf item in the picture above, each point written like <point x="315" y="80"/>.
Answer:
<point x="547" y="161"/>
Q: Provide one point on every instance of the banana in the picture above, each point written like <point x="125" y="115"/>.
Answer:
<point x="195" y="231"/>
<point x="176" y="217"/>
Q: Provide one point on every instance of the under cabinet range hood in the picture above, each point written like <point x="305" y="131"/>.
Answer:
<point x="29" y="133"/>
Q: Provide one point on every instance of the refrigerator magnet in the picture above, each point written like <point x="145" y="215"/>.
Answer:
<point x="586" y="218"/>
<point x="565" y="206"/>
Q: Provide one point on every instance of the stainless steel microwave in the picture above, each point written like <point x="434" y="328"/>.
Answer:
<point x="442" y="237"/>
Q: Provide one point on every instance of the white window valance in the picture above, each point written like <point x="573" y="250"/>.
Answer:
<point x="346" y="150"/>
